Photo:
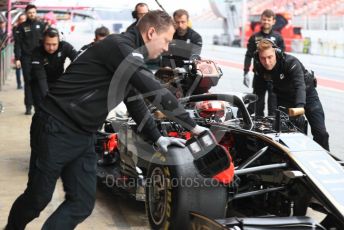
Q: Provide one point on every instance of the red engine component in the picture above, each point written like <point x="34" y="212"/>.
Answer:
<point x="184" y="135"/>
<point x="211" y="159"/>
<point x="218" y="155"/>
<point x="227" y="175"/>
<point x="111" y="145"/>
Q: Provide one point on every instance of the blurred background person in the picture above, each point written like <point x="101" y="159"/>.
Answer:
<point x="99" y="34"/>
<point x="2" y="30"/>
<point x="140" y="10"/>
<point x="186" y="41"/>
<point x="15" y="32"/>
<point x="29" y="36"/>
<point x="48" y="62"/>
<point x="185" y="33"/>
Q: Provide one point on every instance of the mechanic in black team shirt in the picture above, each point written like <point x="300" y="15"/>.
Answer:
<point x="261" y="85"/>
<point x="62" y="132"/>
<point x="140" y="10"/>
<point x="28" y="36"/>
<point x="48" y="63"/>
<point x="186" y="41"/>
<point x="99" y="34"/>
<point x="293" y="85"/>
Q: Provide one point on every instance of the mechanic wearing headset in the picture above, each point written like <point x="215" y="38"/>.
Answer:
<point x="99" y="34"/>
<point x="293" y="85"/>
<point x="140" y="10"/>
<point x="261" y="85"/>
<point x="48" y="61"/>
<point x="186" y="41"/>
<point x="63" y="131"/>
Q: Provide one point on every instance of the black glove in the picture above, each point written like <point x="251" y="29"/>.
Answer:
<point x="300" y="123"/>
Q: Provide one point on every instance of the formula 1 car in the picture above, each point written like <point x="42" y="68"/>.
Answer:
<point x="245" y="173"/>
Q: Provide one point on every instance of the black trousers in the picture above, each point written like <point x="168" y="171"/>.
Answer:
<point x="18" y="77"/>
<point x="260" y="87"/>
<point x="39" y="89"/>
<point x="315" y="115"/>
<point x="316" y="118"/>
<point x="57" y="151"/>
<point x="26" y="67"/>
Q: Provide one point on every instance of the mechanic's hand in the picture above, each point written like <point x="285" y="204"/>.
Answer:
<point x="18" y="64"/>
<point x="247" y="80"/>
<point x="164" y="142"/>
<point x="198" y="130"/>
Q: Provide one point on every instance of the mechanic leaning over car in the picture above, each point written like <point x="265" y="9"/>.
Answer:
<point x="140" y="10"/>
<point x="28" y="36"/>
<point x="293" y="85"/>
<point x="63" y="131"/>
<point x="48" y="61"/>
<point x="99" y="34"/>
<point x="186" y="41"/>
<point x="261" y="85"/>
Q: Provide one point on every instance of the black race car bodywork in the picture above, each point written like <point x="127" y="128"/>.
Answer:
<point x="280" y="174"/>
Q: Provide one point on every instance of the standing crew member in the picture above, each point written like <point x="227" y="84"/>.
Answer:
<point x="15" y="32"/>
<point x="62" y="133"/>
<point x="294" y="86"/>
<point x="186" y="41"/>
<point x="48" y="62"/>
<point x="99" y="34"/>
<point x="29" y="35"/>
<point x="261" y="85"/>
<point x="140" y="10"/>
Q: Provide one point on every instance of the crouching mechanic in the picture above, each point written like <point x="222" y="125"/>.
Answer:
<point x="262" y="85"/>
<point x="48" y="62"/>
<point x="62" y="132"/>
<point x="293" y="84"/>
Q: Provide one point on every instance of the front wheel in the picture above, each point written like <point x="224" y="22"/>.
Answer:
<point x="158" y="197"/>
<point x="172" y="191"/>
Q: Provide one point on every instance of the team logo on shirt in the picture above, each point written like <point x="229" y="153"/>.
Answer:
<point x="59" y="54"/>
<point x="27" y="29"/>
<point x="281" y="76"/>
<point x="273" y="39"/>
<point x="38" y="26"/>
